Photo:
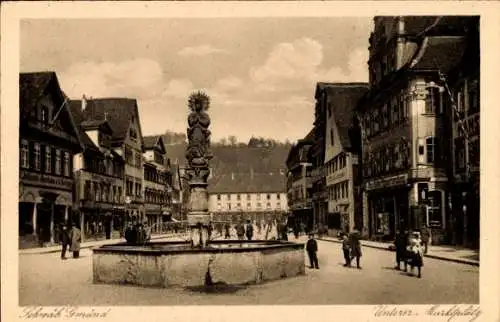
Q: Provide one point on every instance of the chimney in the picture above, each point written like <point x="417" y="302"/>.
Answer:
<point x="84" y="102"/>
<point x="251" y="173"/>
<point x="232" y="175"/>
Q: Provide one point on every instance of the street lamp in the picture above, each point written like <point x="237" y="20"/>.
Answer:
<point x="128" y="200"/>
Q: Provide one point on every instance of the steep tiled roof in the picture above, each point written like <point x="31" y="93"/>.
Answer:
<point x="76" y="112"/>
<point x="32" y="86"/>
<point x="150" y="141"/>
<point x="117" y="111"/>
<point x="439" y="52"/>
<point x="247" y="183"/>
<point x="345" y="98"/>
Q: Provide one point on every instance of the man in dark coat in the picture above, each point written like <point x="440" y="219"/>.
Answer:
<point x="400" y="243"/>
<point x="425" y="234"/>
<point x="65" y="241"/>
<point x="240" y="231"/>
<point x="354" y="238"/>
<point x="312" y="249"/>
<point x="249" y="230"/>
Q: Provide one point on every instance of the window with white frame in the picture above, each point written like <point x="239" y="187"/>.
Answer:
<point x="36" y="156"/>
<point x="66" y="164"/>
<point x="431" y="149"/>
<point x="433" y="101"/>
<point x="25" y="161"/>
<point x="435" y="217"/>
<point x="48" y="159"/>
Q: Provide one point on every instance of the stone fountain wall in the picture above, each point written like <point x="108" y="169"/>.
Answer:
<point x="163" y="268"/>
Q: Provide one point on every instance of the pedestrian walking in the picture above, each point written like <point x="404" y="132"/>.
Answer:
<point x="346" y="249"/>
<point x="226" y="228"/>
<point x="65" y="241"/>
<point x="312" y="249"/>
<point x="296" y="231"/>
<point x="355" y="247"/>
<point x="249" y="230"/>
<point x="240" y="231"/>
<point x="425" y="233"/>
<point x="400" y="244"/>
<point x="75" y="237"/>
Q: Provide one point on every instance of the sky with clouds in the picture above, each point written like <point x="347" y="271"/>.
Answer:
<point x="260" y="73"/>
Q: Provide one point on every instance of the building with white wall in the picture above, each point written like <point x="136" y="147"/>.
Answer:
<point x="242" y="196"/>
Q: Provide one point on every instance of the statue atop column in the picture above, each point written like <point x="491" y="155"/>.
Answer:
<point x="198" y="156"/>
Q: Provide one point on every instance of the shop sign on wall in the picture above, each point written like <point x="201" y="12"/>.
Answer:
<point x="387" y="182"/>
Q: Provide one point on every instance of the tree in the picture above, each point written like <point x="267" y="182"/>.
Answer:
<point x="232" y="140"/>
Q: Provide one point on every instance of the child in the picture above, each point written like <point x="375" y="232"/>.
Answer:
<point x="346" y="248"/>
<point x="415" y="254"/>
<point x="312" y="248"/>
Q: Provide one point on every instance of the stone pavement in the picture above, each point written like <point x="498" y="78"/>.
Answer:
<point x="448" y="253"/>
<point x="44" y="279"/>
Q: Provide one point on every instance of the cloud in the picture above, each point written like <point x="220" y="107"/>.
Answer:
<point x="356" y="71"/>
<point x="288" y="61"/>
<point x="178" y="89"/>
<point x="132" y="78"/>
<point x="202" y="50"/>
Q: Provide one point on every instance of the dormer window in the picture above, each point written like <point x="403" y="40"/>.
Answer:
<point x="44" y="115"/>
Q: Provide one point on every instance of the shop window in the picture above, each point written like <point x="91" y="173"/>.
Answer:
<point x="434" y="215"/>
<point x="24" y="154"/>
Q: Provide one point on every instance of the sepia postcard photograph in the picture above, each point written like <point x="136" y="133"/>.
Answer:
<point x="280" y="158"/>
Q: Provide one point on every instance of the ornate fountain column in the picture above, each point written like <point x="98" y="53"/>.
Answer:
<point x="198" y="156"/>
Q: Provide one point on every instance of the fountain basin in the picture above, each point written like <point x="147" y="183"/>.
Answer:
<point x="176" y="264"/>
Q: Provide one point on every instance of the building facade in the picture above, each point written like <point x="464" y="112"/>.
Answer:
<point x="318" y="176"/>
<point x="464" y="84"/>
<point x="48" y="141"/>
<point x="405" y="126"/>
<point x="157" y="183"/>
<point x="299" y="182"/>
<point x="342" y="154"/>
<point x="123" y="116"/>
<point x="242" y="196"/>
<point x="98" y="172"/>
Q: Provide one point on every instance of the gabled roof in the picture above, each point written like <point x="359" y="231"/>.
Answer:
<point x="247" y="183"/>
<point x="439" y="52"/>
<point x="434" y="53"/>
<point x="151" y="141"/>
<point x="117" y="111"/>
<point x="33" y="86"/>
<point x="75" y="110"/>
<point x="344" y="98"/>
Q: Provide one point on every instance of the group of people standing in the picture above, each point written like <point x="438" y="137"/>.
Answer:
<point x="411" y="248"/>
<point x="137" y="233"/>
<point x="70" y="237"/>
<point x="351" y="248"/>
